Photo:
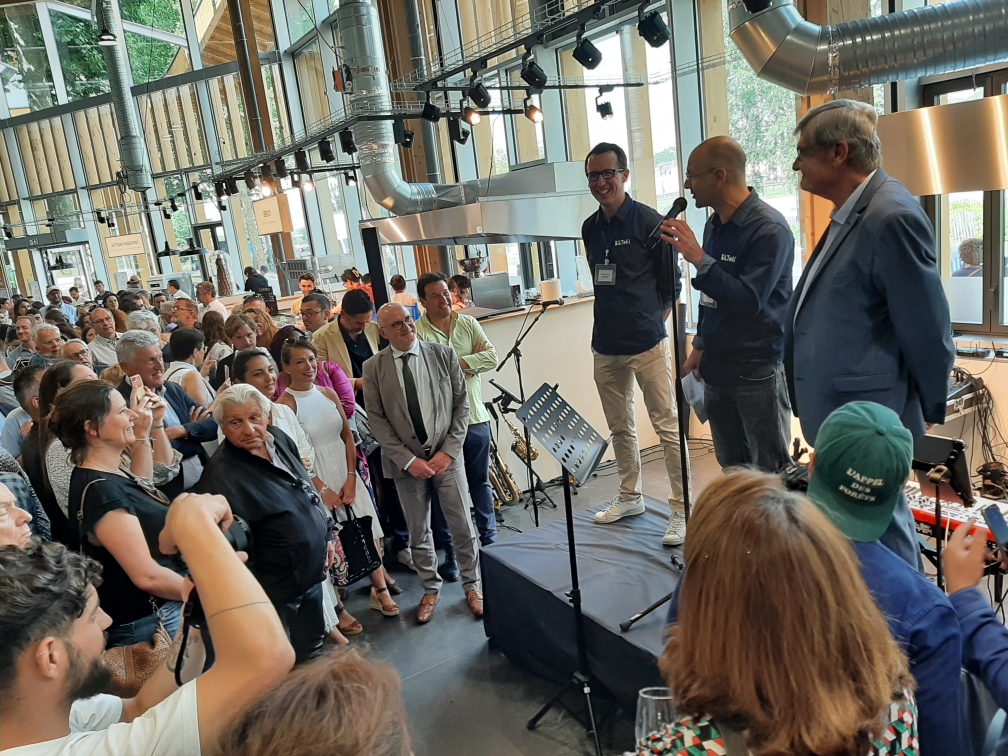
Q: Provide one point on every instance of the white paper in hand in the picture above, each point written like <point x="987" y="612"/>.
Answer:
<point x="693" y="390"/>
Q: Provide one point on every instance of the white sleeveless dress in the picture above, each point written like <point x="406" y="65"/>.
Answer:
<point x="321" y="420"/>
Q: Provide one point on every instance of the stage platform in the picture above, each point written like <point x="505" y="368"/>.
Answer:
<point x="623" y="568"/>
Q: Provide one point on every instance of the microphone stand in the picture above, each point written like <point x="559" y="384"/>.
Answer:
<point x="516" y="352"/>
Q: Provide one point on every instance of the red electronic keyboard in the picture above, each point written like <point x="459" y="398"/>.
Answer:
<point x="953" y="513"/>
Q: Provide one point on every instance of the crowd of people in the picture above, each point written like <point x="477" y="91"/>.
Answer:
<point x="201" y="486"/>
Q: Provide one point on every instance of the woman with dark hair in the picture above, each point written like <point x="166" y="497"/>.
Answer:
<point x="320" y="413"/>
<point x="112" y="305"/>
<point x="343" y="704"/>
<point x="189" y="367"/>
<point x="462" y="293"/>
<point x="328" y="375"/>
<point x="215" y="338"/>
<point x="120" y="515"/>
<point x="161" y="465"/>
<point x="803" y="665"/>
<point x="352" y="279"/>
<point x="22" y="307"/>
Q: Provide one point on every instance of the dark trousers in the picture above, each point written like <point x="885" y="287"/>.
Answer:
<point x="476" y="455"/>
<point x="393" y="519"/>
<point x="750" y="419"/>
<point x="304" y="622"/>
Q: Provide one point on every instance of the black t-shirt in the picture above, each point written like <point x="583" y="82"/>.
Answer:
<point x="122" y="600"/>
<point x="31" y="461"/>
<point x="359" y="351"/>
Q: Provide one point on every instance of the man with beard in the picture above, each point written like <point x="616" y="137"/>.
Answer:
<point x="52" y="668"/>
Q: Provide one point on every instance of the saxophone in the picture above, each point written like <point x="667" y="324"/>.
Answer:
<point x="505" y="489"/>
<point x="518" y="447"/>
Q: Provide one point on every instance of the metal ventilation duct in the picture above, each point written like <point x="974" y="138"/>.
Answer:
<point x="131" y="144"/>
<point x="364" y="54"/>
<point x="784" y="48"/>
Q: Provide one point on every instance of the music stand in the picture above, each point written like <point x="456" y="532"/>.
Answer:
<point x="578" y="448"/>
<point x="943" y="463"/>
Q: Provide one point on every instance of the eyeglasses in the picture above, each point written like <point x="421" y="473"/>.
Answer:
<point x="298" y="341"/>
<point x="400" y="324"/>
<point x="78" y="355"/>
<point x="691" y="176"/>
<point x="310" y="313"/>
<point x="594" y="176"/>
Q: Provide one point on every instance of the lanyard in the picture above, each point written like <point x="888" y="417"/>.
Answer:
<point x="608" y="242"/>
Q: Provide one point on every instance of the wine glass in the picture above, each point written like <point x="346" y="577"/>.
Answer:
<point x="654" y="710"/>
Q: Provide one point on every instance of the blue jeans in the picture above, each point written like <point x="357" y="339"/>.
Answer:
<point x="142" y="630"/>
<point x="750" y="419"/>
<point x="476" y="454"/>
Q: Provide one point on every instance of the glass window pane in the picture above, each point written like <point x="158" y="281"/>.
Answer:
<point x="960" y="241"/>
<point x="80" y="56"/>
<point x="300" y="17"/>
<point x="663" y="125"/>
<point x="311" y="80"/>
<point x="277" y="99"/>
<point x="165" y="15"/>
<point x="334" y="220"/>
<point x="152" y="59"/>
<point x="27" y="79"/>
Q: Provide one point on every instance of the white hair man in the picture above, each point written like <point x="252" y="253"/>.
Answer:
<point x="48" y="340"/>
<point x="868" y="319"/>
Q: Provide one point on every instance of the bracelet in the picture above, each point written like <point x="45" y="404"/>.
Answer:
<point x="352" y="472"/>
<point x="141" y="440"/>
<point x="323" y="490"/>
<point x="158" y="427"/>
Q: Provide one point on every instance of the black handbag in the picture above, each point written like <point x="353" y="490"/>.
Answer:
<point x="359" y="546"/>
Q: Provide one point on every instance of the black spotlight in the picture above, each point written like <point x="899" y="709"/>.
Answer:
<point x="458" y="133"/>
<point x="174" y="205"/>
<point x="407" y="139"/>
<point x="250" y="179"/>
<point x="265" y="172"/>
<point x="346" y="142"/>
<point x="431" y="112"/>
<point x="9" y="232"/>
<point x="99" y="216"/>
<point x="479" y="95"/>
<point x="325" y="151"/>
<point x="470" y="116"/>
<point x="351" y="178"/>
<point x="166" y="213"/>
<point x="755" y="6"/>
<point x="585" y="51"/>
<point x="296" y="181"/>
<point x="652" y="27"/>
<point x="111" y="222"/>
<point x="301" y="161"/>
<point x="222" y="205"/>
<point x="231" y="185"/>
<point x="197" y="193"/>
<point x="219" y="189"/>
<point x="532" y="111"/>
<point x="604" y="107"/>
<point x="281" y="168"/>
<point x="531" y="73"/>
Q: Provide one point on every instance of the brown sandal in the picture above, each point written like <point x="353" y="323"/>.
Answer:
<point x="354" y="628"/>
<point x="378" y="606"/>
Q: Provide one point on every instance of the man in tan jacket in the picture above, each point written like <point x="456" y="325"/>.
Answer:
<point x="351" y="339"/>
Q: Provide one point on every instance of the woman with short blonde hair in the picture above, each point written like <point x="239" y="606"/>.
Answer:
<point x="778" y="637"/>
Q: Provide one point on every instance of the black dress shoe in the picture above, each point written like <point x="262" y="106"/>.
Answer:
<point x="449" y="571"/>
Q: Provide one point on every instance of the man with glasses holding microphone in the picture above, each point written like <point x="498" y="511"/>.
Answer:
<point x="635" y="290"/>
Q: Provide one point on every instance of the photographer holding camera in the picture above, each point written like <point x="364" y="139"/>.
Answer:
<point x="51" y="648"/>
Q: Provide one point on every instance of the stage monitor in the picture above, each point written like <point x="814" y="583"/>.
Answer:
<point x="492" y="292"/>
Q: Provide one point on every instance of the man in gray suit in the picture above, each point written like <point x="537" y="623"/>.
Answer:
<point x="419" y="411"/>
<point x="868" y="320"/>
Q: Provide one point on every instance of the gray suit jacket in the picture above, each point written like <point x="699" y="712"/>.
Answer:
<point x="390" y="420"/>
<point x="874" y="324"/>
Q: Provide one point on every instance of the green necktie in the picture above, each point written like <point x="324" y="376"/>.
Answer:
<point x="413" y="399"/>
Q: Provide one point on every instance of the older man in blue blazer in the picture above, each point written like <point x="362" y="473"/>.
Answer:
<point x="868" y="320"/>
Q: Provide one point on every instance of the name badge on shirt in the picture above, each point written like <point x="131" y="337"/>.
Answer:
<point x="706" y="301"/>
<point x="605" y="275"/>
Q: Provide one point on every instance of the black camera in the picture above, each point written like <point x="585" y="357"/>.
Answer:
<point x="239" y="535"/>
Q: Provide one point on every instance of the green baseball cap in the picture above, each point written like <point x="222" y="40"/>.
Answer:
<point x="862" y="461"/>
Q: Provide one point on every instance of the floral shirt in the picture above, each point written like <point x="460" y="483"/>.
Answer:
<point x="699" y="736"/>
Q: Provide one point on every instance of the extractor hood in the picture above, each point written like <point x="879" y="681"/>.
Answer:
<point x="539" y="203"/>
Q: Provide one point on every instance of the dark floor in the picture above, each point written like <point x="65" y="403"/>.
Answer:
<point x="462" y="697"/>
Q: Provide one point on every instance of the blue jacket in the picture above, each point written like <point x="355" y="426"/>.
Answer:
<point x="922" y="621"/>
<point x="874" y="324"/>
<point x="984" y="641"/>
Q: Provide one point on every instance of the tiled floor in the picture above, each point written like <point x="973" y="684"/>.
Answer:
<point x="462" y="697"/>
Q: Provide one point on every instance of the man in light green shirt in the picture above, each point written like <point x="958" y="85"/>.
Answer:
<point x="476" y="354"/>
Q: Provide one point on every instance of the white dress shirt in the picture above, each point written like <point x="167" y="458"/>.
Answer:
<point x="216" y="306"/>
<point x="838" y="221"/>
<point x="425" y="392"/>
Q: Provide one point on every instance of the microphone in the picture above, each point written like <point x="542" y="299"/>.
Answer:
<point x="677" y="209"/>
<point x="552" y="302"/>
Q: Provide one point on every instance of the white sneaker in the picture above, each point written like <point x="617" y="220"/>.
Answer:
<point x="675" y="533"/>
<point x="618" y="509"/>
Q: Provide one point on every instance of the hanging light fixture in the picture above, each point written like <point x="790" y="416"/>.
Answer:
<point x="604" y="107"/>
<point x="431" y="112"/>
<point x="307" y="184"/>
<point x="301" y="161"/>
<point x="99" y="216"/>
<point x="174" y="205"/>
<point x="652" y="27"/>
<point x="250" y="179"/>
<point x="347" y="143"/>
<point x="585" y="51"/>
<point x="197" y="193"/>
<point x="471" y="115"/>
<point x="532" y="111"/>
<point x="351" y="178"/>
<point x="531" y="72"/>
<point x="458" y="133"/>
<point x="281" y="168"/>
<point x="325" y="150"/>
<point x="106" y="38"/>
<point x="478" y="94"/>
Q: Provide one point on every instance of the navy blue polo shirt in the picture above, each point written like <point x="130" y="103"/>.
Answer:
<point x="630" y="315"/>
<point x="746" y="277"/>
